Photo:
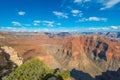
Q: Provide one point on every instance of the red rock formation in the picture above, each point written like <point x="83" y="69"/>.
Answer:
<point x="91" y="53"/>
<point x="2" y="37"/>
<point x="3" y="60"/>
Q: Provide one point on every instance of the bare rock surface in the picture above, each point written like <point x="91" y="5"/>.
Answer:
<point x="13" y="55"/>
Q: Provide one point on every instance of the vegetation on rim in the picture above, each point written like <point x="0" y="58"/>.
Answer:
<point x="35" y="69"/>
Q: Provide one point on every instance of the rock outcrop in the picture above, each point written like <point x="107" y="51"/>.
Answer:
<point x="12" y="55"/>
<point x="91" y="54"/>
<point x="3" y="60"/>
<point x="9" y="60"/>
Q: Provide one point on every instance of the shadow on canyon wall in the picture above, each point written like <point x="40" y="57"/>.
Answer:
<point x="108" y="75"/>
<point x="80" y="75"/>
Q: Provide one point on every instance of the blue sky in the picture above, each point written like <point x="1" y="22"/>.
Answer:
<point x="59" y="15"/>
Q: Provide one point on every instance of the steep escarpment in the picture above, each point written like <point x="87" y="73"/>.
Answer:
<point x="91" y="54"/>
<point x="12" y="55"/>
<point x="9" y="60"/>
<point x="103" y="52"/>
<point x="3" y="60"/>
<point x="109" y="75"/>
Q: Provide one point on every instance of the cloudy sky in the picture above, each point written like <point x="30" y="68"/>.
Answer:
<point x="59" y="15"/>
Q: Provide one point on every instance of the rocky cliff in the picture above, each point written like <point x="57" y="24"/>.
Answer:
<point x="13" y="55"/>
<point x="91" y="54"/>
<point x="9" y="60"/>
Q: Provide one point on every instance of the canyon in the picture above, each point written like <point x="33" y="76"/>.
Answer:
<point x="85" y="55"/>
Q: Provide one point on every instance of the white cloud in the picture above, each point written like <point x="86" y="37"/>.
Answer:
<point x="36" y="22"/>
<point x="87" y="0"/>
<point x="105" y="28"/>
<point x="115" y="27"/>
<point x="106" y="3"/>
<point x="77" y="1"/>
<point x="108" y="28"/>
<point x="9" y="29"/>
<point x="77" y="13"/>
<point x="98" y="29"/>
<point x="48" y="23"/>
<point x="93" y="28"/>
<point x="80" y="1"/>
<point x="109" y="4"/>
<point x="60" y="14"/>
<point x="21" y="13"/>
<point x="51" y="23"/>
<point x="97" y="19"/>
<point x="16" y="23"/>
<point x="92" y="19"/>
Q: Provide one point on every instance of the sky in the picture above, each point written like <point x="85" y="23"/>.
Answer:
<point x="59" y="15"/>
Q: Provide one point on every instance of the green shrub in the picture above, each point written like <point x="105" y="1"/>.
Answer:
<point x="63" y="74"/>
<point x="1" y="68"/>
<point x="31" y="70"/>
<point x="35" y="69"/>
